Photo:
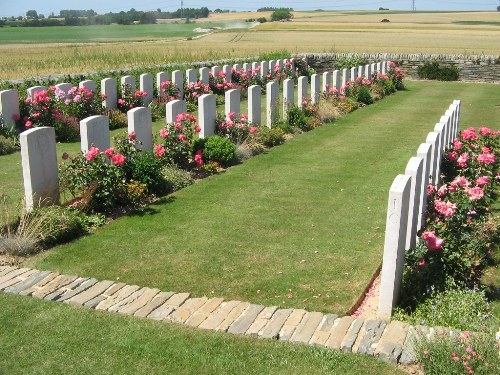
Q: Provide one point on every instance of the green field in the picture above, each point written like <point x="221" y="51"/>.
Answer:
<point x="99" y="33"/>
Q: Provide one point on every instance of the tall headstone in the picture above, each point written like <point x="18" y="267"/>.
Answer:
<point x="178" y="81"/>
<point x="373" y="67"/>
<point x="246" y="67"/>
<point x="361" y="71"/>
<point x="336" y="80"/>
<point x="302" y="91"/>
<point x="94" y="131"/>
<point x="272" y="65"/>
<point x="205" y="75"/>
<point x="128" y="83"/>
<point x="173" y="109"/>
<point x="433" y="140"/>
<point x="110" y="92"/>
<point x="237" y="67"/>
<point x="415" y="169"/>
<point x="88" y="85"/>
<point x="272" y="103"/>
<point x="288" y="96"/>
<point x="379" y="67"/>
<point x="226" y="69"/>
<point x="161" y="77"/>
<point x="40" y="169"/>
<point x="255" y="66"/>
<point x="264" y="69"/>
<point x="425" y="152"/>
<point x="345" y="76"/>
<point x="146" y="85"/>
<point x="384" y="67"/>
<point x="32" y="90"/>
<point x="368" y="71"/>
<point x="394" y="245"/>
<point x="9" y="106"/>
<point x="315" y="89"/>
<point x="327" y="81"/>
<point x="191" y="76"/>
<point x="254" y="105"/>
<point x="64" y="87"/>
<point x="215" y="71"/>
<point x="232" y="102"/>
<point x="207" y="113"/>
<point x="140" y="122"/>
<point x="354" y="73"/>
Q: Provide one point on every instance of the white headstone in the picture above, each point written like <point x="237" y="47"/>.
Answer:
<point x="271" y="103"/>
<point x="205" y="75"/>
<point x="337" y="80"/>
<point x="354" y="73"/>
<point x="345" y="76"/>
<point x="255" y="66"/>
<point x="425" y="152"/>
<point x="226" y="69"/>
<point x="327" y="81"/>
<point x="178" y="81"/>
<point x="315" y="89"/>
<point x="40" y="169"/>
<point x="433" y="139"/>
<point x="146" y="84"/>
<point x="415" y="169"/>
<point x="88" y="84"/>
<point x="373" y="68"/>
<point x="458" y="104"/>
<point x="361" y="71"/>
<point x="64" y="87"/>
<point x="368" y="71"/>
<point x="161" y="77"/>
<point x="108" y="89"/>
<point x="191" y="76"/>
<point x="394" y="245"/>
<point x="32" y="90"/>
<point x="384" y="67"/>
<point x="272" y="65"/>
<point x="207" y="114"/>
<point x="237" y="67"/>
<point x="302" y="91"/>
<point x="254" y="105"/>
<point x="173" y="109"/>
<point x="232" y="102"/>
<point x="264" y="69"/>
<point x="140" y="122"/>
<point x="128" y="83"/>
<point x="288" y="96"/>
<point x="94" y="131"/>
<point x="246" y="67"/>
<point x="215" y="71"/>
<point x="379" y="67"/>
<point x="9" y="106"/>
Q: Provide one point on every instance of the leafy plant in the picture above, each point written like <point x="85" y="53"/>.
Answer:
<point x="297" y="119"/>
<point x="269" y="137"/>
<point x="7" y="146"/>
<point x="349" y="62"/>
<point x="216" y="149"/>
<point x="175" y="178"/>
<point x="433" y="70"/>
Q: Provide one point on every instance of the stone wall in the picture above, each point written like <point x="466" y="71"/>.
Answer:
<point x="478" y="68"/>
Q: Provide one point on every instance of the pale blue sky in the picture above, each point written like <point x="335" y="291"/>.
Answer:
<point x="19" y="7"/>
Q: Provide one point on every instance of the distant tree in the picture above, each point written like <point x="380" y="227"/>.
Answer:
<point x="32" y="14"/>
<point x="281" y="14"/>
<point x="498" y="8"/>
<point x="41" y="16"/>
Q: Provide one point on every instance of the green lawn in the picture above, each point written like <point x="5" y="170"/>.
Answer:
<point x="98" y="33"/>
<point x="300" y="226"/>
<point x="40" y="337"/>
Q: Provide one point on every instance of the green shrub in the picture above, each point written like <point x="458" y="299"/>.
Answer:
<point x="7" y="146"/>
<point x="60" y="224"/>
<point x="281" y="14"/>
<point x="269" y="137"/>
<point x="364" y="95"/>
<point x="145" y="168"/>
<point x="175" y="178"/>
<point x="217" y="149"/>
<point x="462" y="309"/>
<point x="117" y="119"/>
<point x="349" y="62"/>
<point x="297" y="119"/>
<point x="433" y="70"/>
<point x="67" y="129"/>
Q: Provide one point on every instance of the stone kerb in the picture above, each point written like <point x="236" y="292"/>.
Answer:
<point x="205" y="75"/>
<point x="110" y="92"/>
<point x="40" y="169"/>
<point x="64" y="87"/>
<point x="394" y="245"/>
<point x="288" y="96"/>
<point x="415" y="169"/>
<point x="94" y="131"/>
<point x="302" y="84"/>
<point x="315" y="89"/>
<point x="254" y="105"/>
<point x="140" y="122"/>
<point x="173" y="109"/>
<point x="160" y="78"/>
<point x="326" y="81"/>
<point x="146" y="85"/>
<point x="31" y="91"/>
<point x="272" y="102"/>
<point x="337" y="80"/>
<point x="88" y="85"/>
<point x="127" y="82"/>
<point x="232" y="102"/>
<point x="425" y="152"/>
<point x="9" y="106"/>
<point x="207" y="113"/>
<point x="178" y="81"/>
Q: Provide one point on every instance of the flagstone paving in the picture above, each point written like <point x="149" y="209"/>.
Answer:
<point x="391" y="341"/>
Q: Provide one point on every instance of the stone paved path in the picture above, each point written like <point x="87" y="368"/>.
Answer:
<point x="391" y="341"/>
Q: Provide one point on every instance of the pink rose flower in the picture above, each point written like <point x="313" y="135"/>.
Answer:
<point x="118" y="159"/>
<point x="109" y="152"/>
<point x="252" y="129"/>
<point x="164" y="132"/>
<point x="159" y="151"/>
<point x="181" y="137"/>
<point x="483" y="180"/>
<point x="486" y="158"/>
<point x="430" y="189"/>
<point x="28" y="124"/>
<point x="469" y="134"/>
<point x="462" y="160"/>
<point x="475" y="193"/>
<point x="432" y="242"/>
<point x="484" y="131"/>
<point x="132" y="136"/>
<point x="198" y="158"/>
<point x="197" y="128"/>
<point x="452" y="156"/>
<point x="92" y="153"/>
<point x="447" y="209"/>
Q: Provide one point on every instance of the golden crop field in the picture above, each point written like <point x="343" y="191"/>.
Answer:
<point x="435" y="33"/>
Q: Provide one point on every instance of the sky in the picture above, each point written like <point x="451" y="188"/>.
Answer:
<point x="19" y="7"/>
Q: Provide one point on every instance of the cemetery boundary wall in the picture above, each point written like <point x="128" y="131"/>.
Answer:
<point x="476" y="68"/>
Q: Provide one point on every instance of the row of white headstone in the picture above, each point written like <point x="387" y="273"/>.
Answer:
<point x="9" y="99"/>
<point x="407" y="205"/>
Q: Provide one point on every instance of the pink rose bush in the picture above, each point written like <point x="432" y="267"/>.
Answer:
<point x="235" y="127"/>
<point x="130" y="99"/>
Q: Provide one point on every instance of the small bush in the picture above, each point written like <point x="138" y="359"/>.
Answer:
<point x="7" y="146"/>
<point x="145" y="168"/>
<point x="175" y="178"/>
<point x="117" y="119"/>
<point x="217" y="149"/>
<point x="67" y="129"/>
<point x="297" y="119"/>
<point x="269" y="137"/>
<point x="349" y="62"/>
<point x="364" y="95"/>
<point x="434" y="71"/>
<point x="385" y="20"/>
